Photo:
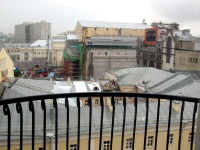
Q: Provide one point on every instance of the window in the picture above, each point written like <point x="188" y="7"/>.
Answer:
<point x="150" y="141"/>
<point x="106" y="145"/>
<point x="169" y="46"/>
<point x="190" y="137"/>
<point x="73" y="147"/>
<point x="171" y="137"/>
<point x="129" y="143"/>
<point x="86" y="102"/>
<point x="152" y="56"/>
<point x="151" y="64"/>
<point x="158" y="57"/>
<point x="158" y="65"/>
<point x="96" y="102"/>
<point x="145" y="62"/>
<point x="41" y="148"/>
<point x="106" y="102"/>
<point x="106" y="53"/>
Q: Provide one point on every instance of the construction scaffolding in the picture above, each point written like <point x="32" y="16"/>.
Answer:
<point x="72" y="60"/>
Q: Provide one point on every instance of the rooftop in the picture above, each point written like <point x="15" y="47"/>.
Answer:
<point x="104" y="24"/>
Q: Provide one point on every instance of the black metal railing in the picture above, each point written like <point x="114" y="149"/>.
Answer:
<point x="126" y="123"/>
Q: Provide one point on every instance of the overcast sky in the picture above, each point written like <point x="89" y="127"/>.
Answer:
<point x="64" y="14"/>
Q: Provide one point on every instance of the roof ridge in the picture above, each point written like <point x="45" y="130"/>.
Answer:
<point x="187" y="80"/>
<point x="169" y="78"/>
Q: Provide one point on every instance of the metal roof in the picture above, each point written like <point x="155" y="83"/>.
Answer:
<point x="41" y="43"/>
<point x="135" y="76"/>
<point x="104" y="24"/>
<point x="29" y="87"/>
<point x="158" y="81"/>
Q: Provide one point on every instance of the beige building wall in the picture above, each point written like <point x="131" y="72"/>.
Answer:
<point x="187" y="60"/>
<point x="57" y="55"/>
<point x="85" y="32"/>
<point x="166" y="65"/>
<point x="107" y="59"/>
<point x="6" y="65"/>
<point x="139" y="140"/>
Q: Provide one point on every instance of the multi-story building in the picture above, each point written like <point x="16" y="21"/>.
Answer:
<point x="6" y="65"/>
<point x="163" y="46"/>
<point x="29" y="32"/>
<point x="107" y="45"/>
<point x="20" y="34"/>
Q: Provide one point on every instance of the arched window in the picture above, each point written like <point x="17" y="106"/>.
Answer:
<point x="159" y="51"/>
<point x="168" y="52"/>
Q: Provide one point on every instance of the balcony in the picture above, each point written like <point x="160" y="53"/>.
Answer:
<point x="117" y="121"/>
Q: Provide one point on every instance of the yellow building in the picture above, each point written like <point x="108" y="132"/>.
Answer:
<point x="187" y="60"/>
<point x="58" y="46"/>
<point x="86" y="29"/>
<point x="6" y="65"/>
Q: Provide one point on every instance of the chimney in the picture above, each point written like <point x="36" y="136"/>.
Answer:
<point x="109" y="103"/>
<point x="176" y="105"/>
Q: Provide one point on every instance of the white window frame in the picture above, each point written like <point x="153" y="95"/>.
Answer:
<point x="150" y="141"/>
<point x="190" y="137"/>
<point x="96" y="102"/>
<point x="129" y="143"/>
<point x="106" y="145"/>
<point x="171" y="139"/>
<point x="86" y="102"/>
<point x="73" y="147"/>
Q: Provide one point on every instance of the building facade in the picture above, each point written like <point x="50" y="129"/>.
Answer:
<point x="29" y="32"/>
<point x="6" y="65"/>
<point x="167" y="49"/>
<point x="107" y="45"/>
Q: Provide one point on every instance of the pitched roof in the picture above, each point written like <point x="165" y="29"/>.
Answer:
<point x="158" y="81"/>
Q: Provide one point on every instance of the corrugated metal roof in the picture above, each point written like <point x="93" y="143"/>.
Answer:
<point x="158" y="81"/>
<point x="169" y="83"/>
<point x="29" y="87"/>
<point x="104" y="24"/>
<point x="191" y="90"/>
<point x="135" y="76"/>
<point x="41" y="43"/>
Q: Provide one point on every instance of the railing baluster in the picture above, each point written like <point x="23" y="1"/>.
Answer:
<point x="90" y="121"/>
<point x="169" y="123"/>
<point x="56" y="122"/>
<point x="113" y="121"/>
<point x="181" y="125"/>
<point x="19" y="110"/>
<point x="79" y="113"/>
<point x="157" y="124"/>
<point x="67" y="124"/>
<point x="6" y="111"/>
<point x="31" y="109"/>
<point x="43" y="106"/>
<point x="193" y="123"/>
<point x="124" y="120"/>
<point x="101" y="125"/>
<point x="146" y="123"/>
<point x="135" y="121"/>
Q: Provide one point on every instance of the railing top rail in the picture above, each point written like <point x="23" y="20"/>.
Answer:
<point x="98" y="94"/>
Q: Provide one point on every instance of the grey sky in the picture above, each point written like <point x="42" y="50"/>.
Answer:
<point x="63" y="14"/>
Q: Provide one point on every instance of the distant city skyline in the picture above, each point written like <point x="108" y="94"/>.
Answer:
<point x="64" y="14"/>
